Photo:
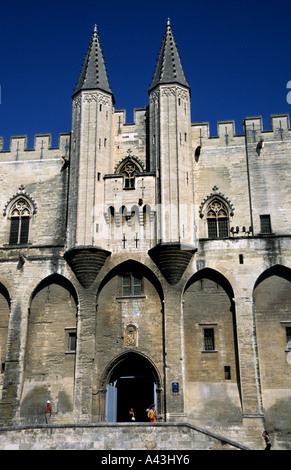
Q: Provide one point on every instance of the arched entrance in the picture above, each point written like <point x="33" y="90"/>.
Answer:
<point x="132" y="383"/>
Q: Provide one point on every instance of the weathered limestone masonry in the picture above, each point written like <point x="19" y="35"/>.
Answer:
<point x="146" y="263"/>
<point x="124" y="437"/>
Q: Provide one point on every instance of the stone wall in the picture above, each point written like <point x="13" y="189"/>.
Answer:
<point x="212" y="381"/>
<point x="246" y="171"/>
<point x="124" y="437"/>
<point x="49" y="361"/>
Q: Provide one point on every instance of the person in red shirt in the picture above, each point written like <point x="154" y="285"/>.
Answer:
<point x="48" y="412"/>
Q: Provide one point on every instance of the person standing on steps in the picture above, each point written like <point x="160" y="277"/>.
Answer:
<point x="267" y="440"/>
<point x="48" y="412"/>
<point x="152" y="414"/>
<point x="132" y="415"/>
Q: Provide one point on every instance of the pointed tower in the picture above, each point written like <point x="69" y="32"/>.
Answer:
<point x="169" y="68"/>
<point x="170" y="154"/>
<point x="90" y="159"/>
<point x="93" y="74"/>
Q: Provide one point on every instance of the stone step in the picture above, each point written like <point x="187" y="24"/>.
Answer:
<point x="115" y="436"/>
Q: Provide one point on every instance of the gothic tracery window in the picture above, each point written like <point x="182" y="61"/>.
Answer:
<point x="129" y="168"/>
<point x="129" y="171"/>
<point x="20" y="215"/>
<point x="217" y="219"/>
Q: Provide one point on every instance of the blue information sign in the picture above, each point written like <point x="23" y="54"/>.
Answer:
<point x="175" y="387"/>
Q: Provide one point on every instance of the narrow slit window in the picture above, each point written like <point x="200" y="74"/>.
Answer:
<point x="223" y="227"/>
<point x="72" y="341"/>
<point x="24" y="230"/>
<point x="125" y="286"/>
<point x="136" y="286"/>
<point x="212" y="228"/>
<point x="227" y="373"/>
<point x="14" y="229"/>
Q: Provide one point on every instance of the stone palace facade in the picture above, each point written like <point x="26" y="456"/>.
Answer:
<point x="147" y="263"/>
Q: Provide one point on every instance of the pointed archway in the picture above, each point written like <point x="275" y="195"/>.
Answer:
<point x="272" y="310"/>
<point x="211" y="349"/>
<point x="132" y="382"/>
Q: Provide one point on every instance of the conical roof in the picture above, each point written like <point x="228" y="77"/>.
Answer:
<point x="93" y="74"/>
<point x="169" y="67"/>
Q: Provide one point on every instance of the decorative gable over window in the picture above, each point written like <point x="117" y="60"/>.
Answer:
<point x="19" y="211"/>
<point x="20" y="215"/>
<point x="129" y="168"/>
<point x="216" y="210"/>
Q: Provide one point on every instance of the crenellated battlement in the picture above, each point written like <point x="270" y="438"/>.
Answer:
<point x="18" y="149"/>
<point x="252" y="129"/>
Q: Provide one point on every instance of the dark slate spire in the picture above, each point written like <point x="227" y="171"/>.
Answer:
<point x="169" y="68"/>
<point x="93" y="75"/>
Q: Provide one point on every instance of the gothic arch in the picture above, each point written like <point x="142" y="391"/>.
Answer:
<point x="277" y="270"/>
<point x="134" y="266"/>
<point x="134" y="161"/>
<point x="211" y="346"/>
<point x="51" y="346"/>
<point x="272" y="313"/>
<point x="19" y="210"/>
<point x="136" y="383"/>
<point x="215" y="212"/>
<point x="22" y="194"/>
<point x="129" y="167"/>
<point x="211" y="197"/>
<point x="110" y="369"/>
<point x="214" y="275"/>
<point x="129" y="302"/>
<point x="55" y="279"/>
<point x="5" y="293"/>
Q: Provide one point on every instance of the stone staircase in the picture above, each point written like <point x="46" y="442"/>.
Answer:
<point x="116" y="436"/>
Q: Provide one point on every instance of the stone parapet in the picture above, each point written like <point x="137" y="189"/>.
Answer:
<point x="125" y="436"/>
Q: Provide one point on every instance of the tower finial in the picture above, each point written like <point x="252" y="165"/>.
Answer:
<point x="168" y="22"/>
<point x="95" y="28"/>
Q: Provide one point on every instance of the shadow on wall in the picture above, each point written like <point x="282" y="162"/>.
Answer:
<point x="33" y="406"/>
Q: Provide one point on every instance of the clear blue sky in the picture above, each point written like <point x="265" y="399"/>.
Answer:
<point x="236" y="56"/>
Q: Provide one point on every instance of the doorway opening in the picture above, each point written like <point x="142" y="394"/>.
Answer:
<point x="132" y="384"/>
